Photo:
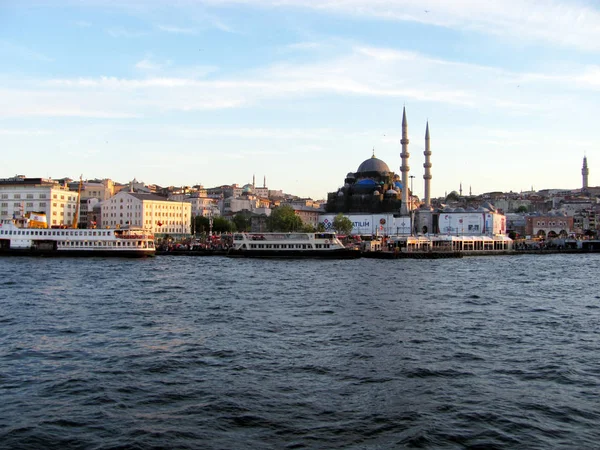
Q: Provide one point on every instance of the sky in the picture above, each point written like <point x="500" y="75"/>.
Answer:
<point x="301" y="92"/>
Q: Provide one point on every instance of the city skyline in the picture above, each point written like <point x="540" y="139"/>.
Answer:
<point x="213" y="92"/>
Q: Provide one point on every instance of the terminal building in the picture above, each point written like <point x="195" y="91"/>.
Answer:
<point x="20" y="195"/>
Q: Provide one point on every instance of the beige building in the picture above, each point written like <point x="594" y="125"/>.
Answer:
<point x="148" y="211"/>
<point x="20" y="195"/>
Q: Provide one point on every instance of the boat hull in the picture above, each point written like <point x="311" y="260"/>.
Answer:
<point x="343" y="253"/>
<point x="77" y="253"/>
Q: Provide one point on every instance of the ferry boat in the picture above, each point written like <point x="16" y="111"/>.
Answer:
<point x="30" y="236"/>
<point x="290" y="245"/>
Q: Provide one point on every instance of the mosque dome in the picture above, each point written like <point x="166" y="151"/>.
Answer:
<point x="373" y="164"/>
<point x="247" y="189"/>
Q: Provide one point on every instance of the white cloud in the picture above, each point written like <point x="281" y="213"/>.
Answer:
<point x="360" y="71"/>
<point x="571" y="24"/>
<point x="176" y="30"/>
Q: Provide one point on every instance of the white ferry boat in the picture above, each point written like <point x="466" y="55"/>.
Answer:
<point x="31" y="236"/>
<point x="290" y="245"/>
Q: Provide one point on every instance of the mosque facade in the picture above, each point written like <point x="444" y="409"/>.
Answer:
<point x="378" y="201"/>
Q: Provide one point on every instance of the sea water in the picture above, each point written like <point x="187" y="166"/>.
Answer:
<point x="219" y="353"/>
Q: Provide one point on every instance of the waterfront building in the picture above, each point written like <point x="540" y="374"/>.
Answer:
<point x="150" y="211"/>
<point x="308" y="214"/>
<point x="20" y="195"/>
<point x="91" y="192"/>
<point x="203" y="206"/>
<point x="552" y="224"/>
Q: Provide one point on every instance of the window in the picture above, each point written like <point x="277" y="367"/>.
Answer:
<point x="17" y="196"/>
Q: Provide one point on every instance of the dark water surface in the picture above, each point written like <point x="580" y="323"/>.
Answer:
<point x="217" y="353"/>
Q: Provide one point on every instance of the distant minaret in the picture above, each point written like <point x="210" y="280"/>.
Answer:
<point x="460" y="189"/>
<point x="427" y="166"/>
<point x="470" y="191"/>
<point x="264" y="181"/>
<point x="404" y="168"/>
<point x="253" y="181"/>
<point x="585" y="172"/>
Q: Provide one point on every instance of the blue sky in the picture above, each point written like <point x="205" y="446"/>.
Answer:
<point x="301" y="91"/>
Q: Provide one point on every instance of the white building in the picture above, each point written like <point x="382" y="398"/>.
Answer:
<point x="20" y="195"/>
<point x="149" y="211"/>
<point x="201" y="204"/>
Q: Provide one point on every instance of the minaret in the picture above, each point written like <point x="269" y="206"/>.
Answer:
<point x="427" y="166"/>
<point x="253" y="181"/>
<point x="460" y="189"/>
<point x="585" y="172"/>
<point x="264" y="181"/>
<point x="404" y="168"/>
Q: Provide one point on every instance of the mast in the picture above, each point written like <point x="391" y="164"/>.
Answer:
<point x="76" y="216"/>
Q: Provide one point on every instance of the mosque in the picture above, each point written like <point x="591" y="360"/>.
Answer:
<point x="378" y="201"/>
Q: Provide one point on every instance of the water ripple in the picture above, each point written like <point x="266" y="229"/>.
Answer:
<point x="498" y="352"/>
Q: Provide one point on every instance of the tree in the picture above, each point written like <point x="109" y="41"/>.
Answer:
<point x="522" y="209"/>
<point x="242" y="221"/>
<point x="222" y="225"/>
<point x="200" y="225"/>
<point x="284" y="219"/>
<point x="342" y="225"/>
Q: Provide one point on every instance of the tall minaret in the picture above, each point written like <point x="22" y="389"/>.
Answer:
<point x="585" y="172"/>
<point x="404" y="168"/>
<point x="264" y="181"/>
<point x="427" y="166"/>
<point x="253" y="181"/>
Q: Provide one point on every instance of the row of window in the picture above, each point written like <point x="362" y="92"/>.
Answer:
<point x="290" y="246"/>
<point x="56" y="232"/>
<point x="141" y="244"/>
<point x="28" y="196"/>
<point x="551" y="224"/>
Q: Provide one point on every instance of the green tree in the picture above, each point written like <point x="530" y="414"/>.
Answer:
<point x="222" y="225"/>
<point x="320" y="227"/>
<point x="242" y="221"/>
<point x="200" y="225"/>
<point x="283" y="218"/>
<point x="522" y="209"/>
<point x="342" y="225"/>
